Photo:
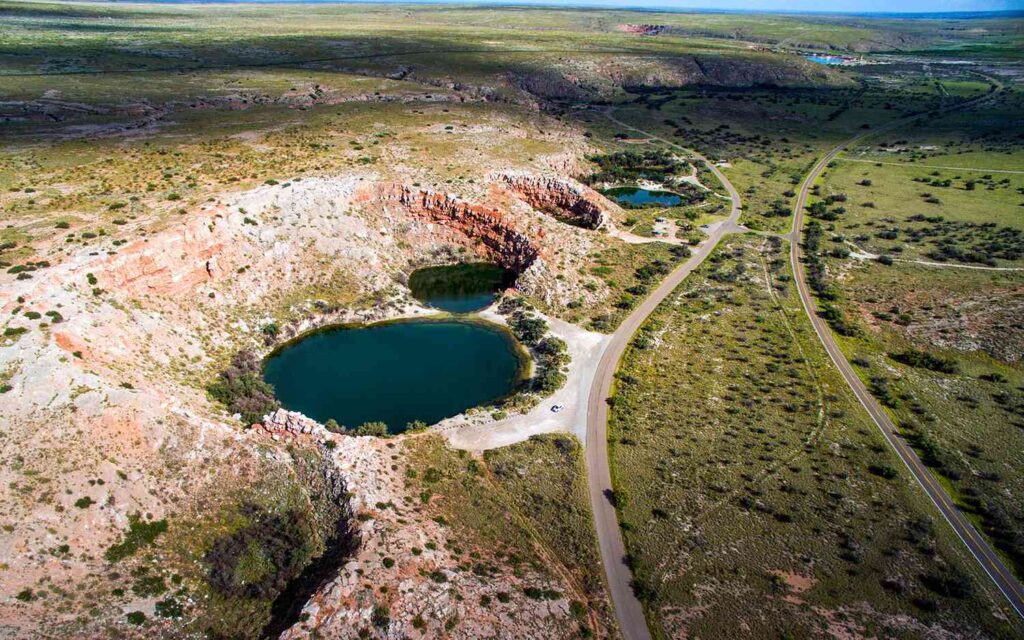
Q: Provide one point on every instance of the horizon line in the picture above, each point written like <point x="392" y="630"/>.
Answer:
<point x="596" y="5"/>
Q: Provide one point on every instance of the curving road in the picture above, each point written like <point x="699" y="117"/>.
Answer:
<point x="976" y="544"/>
<point x="628" y="610"/>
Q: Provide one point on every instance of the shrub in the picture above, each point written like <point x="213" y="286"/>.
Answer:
<point x="381" y="616"/>
<point x="140" y="534"/>
<point x="84" y="503"/>
<point x="379" y="429"/>
<point x="838" y="320"/>
<point x="169" y="608"/>
<point x="528" y="329"/>
<point x="258" y="560"/>
<point x="136" y="617"/>
<point x="883" y="471"/>
<point x="242" y="389"/>
<point x="148" y="586"/>
<point x="949" y="583"/>
<point x="925" y="360"/>
<point x="270" y="329"/>
<point x="533" y="593"/>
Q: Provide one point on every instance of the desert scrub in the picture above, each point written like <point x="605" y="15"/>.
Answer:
<point x="241" y="388"/>
<point x="236" y="565"/>
<point x="617" y="275"/>
<point x="545" y="481"/>
<point x="951" y="384"/>
<point x="452" y="487"/>
<point x="141" y="533"/>
<point x="736" y="435"/>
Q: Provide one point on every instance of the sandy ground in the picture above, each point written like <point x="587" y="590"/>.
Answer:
<point x="477" y="433"/>
<point x="669" y="227"/>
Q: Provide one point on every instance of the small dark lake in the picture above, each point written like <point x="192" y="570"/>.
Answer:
<point x="637" y="197"/>
<point x="395" y="372"/>
<point x="459" y="288"/>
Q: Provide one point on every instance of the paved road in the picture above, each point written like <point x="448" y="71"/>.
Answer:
<point x="978" y="546"/>
<point x="628" y="609"/>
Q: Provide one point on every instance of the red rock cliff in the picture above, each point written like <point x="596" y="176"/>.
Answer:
<point x="507" y="245"/>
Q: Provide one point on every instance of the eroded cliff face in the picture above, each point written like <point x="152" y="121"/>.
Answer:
<point x="416" y="573"/>
<point x="565" y="199"/>
<point x="176" y="261"/>
<point x="107" y="396"/>
<point x="462" y="222"/>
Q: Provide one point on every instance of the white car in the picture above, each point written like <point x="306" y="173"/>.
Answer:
<point x="557" y="408"/>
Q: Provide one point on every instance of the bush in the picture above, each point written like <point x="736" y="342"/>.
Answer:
<point x="242" y="389"/>
<point x="139" y="534"/>
<point x="270" y="329"/>
<point x="528" y="329"/>
<point x="949" y="583"/>
<point x="838" y="320"/>
<point x="258" y="560"/>
<point x="925" y="360"/>
<point x="379" y="429"/>
<point x="169" y="608"/>
<point x="381" y="617"/>
<point x="883" y="471"/>
<point x="148" y="586"/>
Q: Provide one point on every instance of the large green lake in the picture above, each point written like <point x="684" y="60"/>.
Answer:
<point x="395" y="372"/>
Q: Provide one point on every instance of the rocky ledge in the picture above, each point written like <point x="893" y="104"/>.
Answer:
<point x="291" y="424"/>
<point x="466" y="222"/>
<point x="565" y="199"/>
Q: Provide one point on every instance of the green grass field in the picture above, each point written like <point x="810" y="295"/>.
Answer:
<point x="753" y="491"/>
<point x="962" y="409"/>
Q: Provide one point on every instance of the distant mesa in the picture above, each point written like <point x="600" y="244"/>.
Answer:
<point x="643" y="29"/>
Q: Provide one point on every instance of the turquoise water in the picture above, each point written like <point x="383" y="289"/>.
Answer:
<point x="459" y="288"/>
<point x="830" y="60"/>
<point x="637" y="197"/>
<point x="395" y="372"/>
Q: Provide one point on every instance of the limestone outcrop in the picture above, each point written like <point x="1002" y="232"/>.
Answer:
<point x="176" y="261"/>
<point x="497" y="232"/>
<point x="564" y="199"/>
<point x="292" y="423"/>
